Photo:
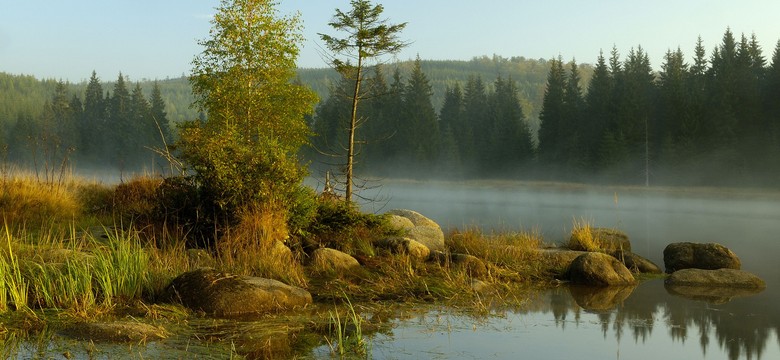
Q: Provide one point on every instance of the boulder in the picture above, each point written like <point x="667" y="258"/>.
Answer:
<point x="116" y="331"/>
<point x="425" y="231"/>
<point x="326" y="259"/>
<point x="400" y="223"/>
<point x="600" y="270"/>
<point x="599" y="239"/>
<point x="404" y="245"/>
<point x="678" y="256"/>
<point x="416" y="218"/>
<point x="728" y="278"/>
<point x="713" y="295"/>
<point x="600" y="298"/>
<point x="227" y="295"/>
<point x="473" y="265"/>
<point x="636" y="263"/>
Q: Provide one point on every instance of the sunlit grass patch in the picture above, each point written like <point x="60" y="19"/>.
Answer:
<point x="256" y="247"/>
<point x="585" y="237"/>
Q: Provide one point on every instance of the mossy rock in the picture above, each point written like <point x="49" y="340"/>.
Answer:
<point x="223" y="294"/>
<point x="117" y="331"/>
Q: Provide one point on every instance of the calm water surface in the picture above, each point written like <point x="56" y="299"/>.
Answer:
<point x="646" y="322"/>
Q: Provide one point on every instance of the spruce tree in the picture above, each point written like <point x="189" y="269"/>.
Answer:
<point x="552" y="117"/>
<point x="597" y="103"/>
<point x="419" y="130"/>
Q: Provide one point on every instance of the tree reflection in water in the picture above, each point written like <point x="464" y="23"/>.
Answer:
<point x="740" y="324"/>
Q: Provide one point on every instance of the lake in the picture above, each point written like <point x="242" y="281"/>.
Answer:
<point x="649" y="323"/>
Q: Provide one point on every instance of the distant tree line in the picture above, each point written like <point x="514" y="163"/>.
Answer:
<point x="715" y="121"/>
<point x="401" y="133"/>
<point x="96" y="128"/>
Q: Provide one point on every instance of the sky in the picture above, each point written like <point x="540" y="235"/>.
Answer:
<point x="157" y="39"/>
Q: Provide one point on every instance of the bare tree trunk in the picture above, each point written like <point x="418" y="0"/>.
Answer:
<point x="352" y="128"/>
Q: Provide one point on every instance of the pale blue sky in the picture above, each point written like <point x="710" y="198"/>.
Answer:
<point x="157" y="38"/>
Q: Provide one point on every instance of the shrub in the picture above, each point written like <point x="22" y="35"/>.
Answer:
<point x="136" y="200"/>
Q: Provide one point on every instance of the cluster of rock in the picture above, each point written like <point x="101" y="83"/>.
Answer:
<point x="694" y="268"/>
<point x="614" y="264"/>
<point x="708" y="272"/>
<point x="227" y="295"/>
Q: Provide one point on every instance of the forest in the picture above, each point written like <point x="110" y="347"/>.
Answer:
<point x="712" y="121"/>
<point x="712" y="118"/>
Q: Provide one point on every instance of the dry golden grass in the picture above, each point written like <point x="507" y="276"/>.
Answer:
<point x="256" y="246"/>
<point x="24" y="199"/>
<point x="585" y="237"/>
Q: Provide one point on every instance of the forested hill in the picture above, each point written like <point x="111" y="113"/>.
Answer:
<point x="24" y="94"/>
<point x="530" y="76"/>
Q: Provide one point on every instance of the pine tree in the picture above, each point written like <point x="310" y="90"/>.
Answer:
<point x="120" y="124"/>
<point x="420" y="128"/>
<point x="471" y="134"/>
<point x="597" y="103"/>
<point x="572" y="123"/>
<point x="93" y="126"/>
<point x="159" y="117"/>
<point x="450" y="118"/>
<point x="367" y="37"/>
<point x="552" y="116"/>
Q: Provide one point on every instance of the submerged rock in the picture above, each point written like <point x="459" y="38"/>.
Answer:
<point x="686" y="255"/>
<point x="227" y="295"/>
<point x="728" y="278"/>
<point x="600" y="270"/>
<point x="326" y="259"/>
<point x="117" y="331"/>
<point x="714" y="286"/>
<point x="425" y="230"/>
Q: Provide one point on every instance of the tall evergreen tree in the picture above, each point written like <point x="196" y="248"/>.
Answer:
<point x="509" y="145"/>
<point x="597" y="103"/>
<point x="121" y="124"/>
<point x="368" y="36"/>
<point x="450" y="120"/>
<point x="94" y="139"/>
<point x="420" y="127"/>
<point x="552" y="116"/>
<point x="572" y="123"/>
<point x="471" y="133"/>
<point x="159" y="117"/>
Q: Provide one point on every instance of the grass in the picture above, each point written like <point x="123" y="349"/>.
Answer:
<point x="90" y="251"/>
<point x="585" y="237"/>
<point x="347" y="336"/>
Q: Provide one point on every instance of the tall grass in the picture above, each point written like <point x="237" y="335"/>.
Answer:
<point x="93" y="274"/>
<point x="256" y="247"/>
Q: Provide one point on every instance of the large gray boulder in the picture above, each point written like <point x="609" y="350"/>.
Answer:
<point x="223" y="294"/>
<point x="326" y="259"/>
<point x="686" y="255"/>
<point x="599" y="269"/>
<point x="425" y="231"/>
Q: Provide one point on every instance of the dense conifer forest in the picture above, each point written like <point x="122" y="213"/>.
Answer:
<point x="711" y="117"/>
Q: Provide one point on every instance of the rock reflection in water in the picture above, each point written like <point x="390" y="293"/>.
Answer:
<point x="713" y="295"/>
<point x="600" y="298"/>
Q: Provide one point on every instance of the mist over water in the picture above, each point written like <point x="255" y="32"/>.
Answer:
<point x="651" y="323"/>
